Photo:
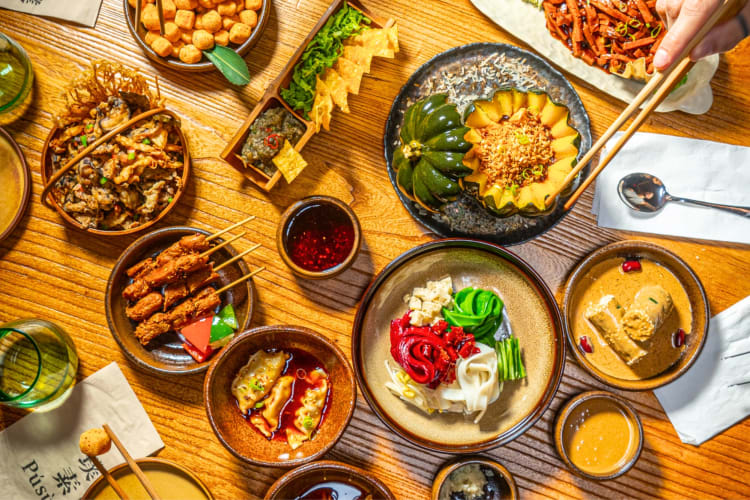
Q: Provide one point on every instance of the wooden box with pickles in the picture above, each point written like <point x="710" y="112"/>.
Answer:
<point x="273" y="99"/>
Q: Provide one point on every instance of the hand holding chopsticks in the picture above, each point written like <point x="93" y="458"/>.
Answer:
<point x="653" y="93"/>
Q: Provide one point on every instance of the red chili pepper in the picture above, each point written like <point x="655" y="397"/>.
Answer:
<point x="586" y="345"/>
<point x="272" y="141"/>
<point x="678" y="339"/>
<point x="631" y="265"/>
<point x="200" y="357"/>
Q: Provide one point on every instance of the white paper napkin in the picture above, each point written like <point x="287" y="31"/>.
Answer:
<point x="40" y="455"/>
<point x="79" y="11"/>
<point x="691" y="168"/>
<point x="707" y="399"/>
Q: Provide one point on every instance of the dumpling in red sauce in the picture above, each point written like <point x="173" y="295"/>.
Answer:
<point x="276" y="400"/>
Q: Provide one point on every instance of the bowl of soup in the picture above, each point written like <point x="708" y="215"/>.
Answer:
<point x="15" y="184"/>
<point x="328" y="479"/>
<point x="636" y="315"/>
<point x="598" y="435"/>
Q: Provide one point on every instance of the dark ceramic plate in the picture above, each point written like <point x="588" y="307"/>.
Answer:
<point x="165" y="355"/>
<point x="519" y="68"/>
<point x="532" y="316"/>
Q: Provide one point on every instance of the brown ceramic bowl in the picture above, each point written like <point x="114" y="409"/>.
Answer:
<point x="690" y="282"/>
<point x="165" y="355"/>
<point x="288" y="216"/>
<point x="533" y="316"/>
<point x="204" y="64"/>
<point x="296" y="482"/>
<point x="634" y="452"/>
<point x="170" y="480"/>
<point x="21" y="177"/>
<point x="238" y="435"/>
<point x="46" y="172"/>
<point x="498" y="468"/>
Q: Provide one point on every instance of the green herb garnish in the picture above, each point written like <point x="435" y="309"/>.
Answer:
<point x="103" y="181"/>
<point x="509" y="362"/>
<point x="131" y="155"/>
<point x="146" y="141"/>
<point x="653" y="300"/>
<point x="522" y="138"/>
<point x="89" y="126"/>
<point x="229" y="63"/>
<point x="170" y="199"/>
<point x="84" y="140"/>
<point x="261" y="404"/>
<point x="256" y="385"/>
<point x="321" y="53"/>
<point x="307" y="422"/>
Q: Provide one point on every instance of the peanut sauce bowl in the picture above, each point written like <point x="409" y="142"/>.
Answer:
<point x="165" y="354"/>
<point x="234" y="430"/>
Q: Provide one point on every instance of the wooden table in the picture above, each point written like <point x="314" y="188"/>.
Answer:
<point x="51" y="271"/>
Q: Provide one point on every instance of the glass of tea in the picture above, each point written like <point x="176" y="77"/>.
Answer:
<point x="38" y="364"/>
<point x="16" y="80"/>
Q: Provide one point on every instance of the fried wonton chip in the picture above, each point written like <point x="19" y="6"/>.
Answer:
<point x="337" y="87"/>
<point x="322" y="105"/>
<point x="380" y="42"/>
<point x="359" y="55"/>
<point x="350" y="73"/>
<point x="289" y="162"/>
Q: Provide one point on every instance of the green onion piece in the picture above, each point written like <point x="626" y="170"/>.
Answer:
<point x="656" y="30"/>
<point x="89" y="126"/>
<point x="131" y="155"/>
<point x="256" y="385"/>
<point x="84" y="140"/>
<point x="103" y="180"/>
<point x="307" y="422"/>
<point x="260" y="404"/>
<point x="526" y="173"/>
<point x="146" y="141"/>
<point x="653" y="300"/>
<point x="170" y="199"/>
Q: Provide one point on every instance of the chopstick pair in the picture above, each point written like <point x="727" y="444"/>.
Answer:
<point x="132" y="464"/>
<point x="653" y="93"/>
<point x="159" y="9"/>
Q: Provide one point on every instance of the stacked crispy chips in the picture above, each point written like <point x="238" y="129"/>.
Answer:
<point x="334" y="84"/>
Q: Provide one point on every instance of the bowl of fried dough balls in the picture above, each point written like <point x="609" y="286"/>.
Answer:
<point x="192" y="26"/>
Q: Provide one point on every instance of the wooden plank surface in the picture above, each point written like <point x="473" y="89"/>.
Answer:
<point x="51" y="271"/>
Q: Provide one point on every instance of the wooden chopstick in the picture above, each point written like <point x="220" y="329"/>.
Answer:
<point x="138" y="5"/>
<point x="132" y="463"/>
<point x="654" y="92"/>
<point x="240" y="280"/>
<point x="160" y="10"/>
<point x="233" y="226"/>
<point x="237" y="257"/>
<point x="110" y="479"/>
<point x="222" y="244"/>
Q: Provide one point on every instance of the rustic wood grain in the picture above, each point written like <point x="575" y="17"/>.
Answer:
<point x="51" y="271"/>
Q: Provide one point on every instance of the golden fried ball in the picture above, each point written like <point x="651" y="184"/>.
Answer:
<point x="185" y="19"/>
<point x="253" y="4"/>
<point x="249" y="17"/>
<point x="162" y="46"/>
<point x="221" y="37"/>
<point x="186" y="4"/>
<point x="239" y="33"/>
<point x="169" y="9"/>
<point x="211" y="21"/>
<point x="203" y="40"/>
<point x="94" y="442"/>
<point x="171" y="31"/>
<point x="190" y="54"/>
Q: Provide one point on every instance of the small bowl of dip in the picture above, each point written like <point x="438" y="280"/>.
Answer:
<point x="474" y="478"/>
<point x="15" y="184"/>
<point x="598" y="435"/>
<point x="318" y="237"/>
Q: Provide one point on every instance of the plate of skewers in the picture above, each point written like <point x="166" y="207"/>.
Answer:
<point x="178" y="295"/>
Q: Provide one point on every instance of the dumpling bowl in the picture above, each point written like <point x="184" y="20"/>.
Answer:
<point x="235" y="430"/>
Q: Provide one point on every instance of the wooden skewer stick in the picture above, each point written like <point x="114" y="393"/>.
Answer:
<point x="240" y="280"/>
<point x="233" y="226"/>
<point x="160" y="10"/>
<point x="132" y="464"/>
<point x="666" y="79"/>
<point x="110" y="479"/>
<point x="222" y="244"/>
<point x="237" y="257"/>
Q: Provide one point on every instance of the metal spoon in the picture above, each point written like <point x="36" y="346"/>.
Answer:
<point x="646" y="193"/>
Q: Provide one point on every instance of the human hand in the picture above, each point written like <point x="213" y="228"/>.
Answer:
<point x="685" y="18"/>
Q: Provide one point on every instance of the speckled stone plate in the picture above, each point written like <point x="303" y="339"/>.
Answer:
<point x="495" y="65"/>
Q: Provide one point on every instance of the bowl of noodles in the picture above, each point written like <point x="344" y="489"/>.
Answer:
<point x="116" y="161"/>
<point x="458" y="346"/>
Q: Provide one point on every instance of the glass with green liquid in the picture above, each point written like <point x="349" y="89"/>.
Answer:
<point x="38" y="364"/>
<point x="16" y="80"/>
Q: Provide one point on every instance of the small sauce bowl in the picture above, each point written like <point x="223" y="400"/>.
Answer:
<point x="603" y="418"/>
<point x="310" y="220"/>
<point x="503" y="475"/>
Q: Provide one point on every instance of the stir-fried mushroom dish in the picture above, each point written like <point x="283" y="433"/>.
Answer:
<point x="130" y="178"/>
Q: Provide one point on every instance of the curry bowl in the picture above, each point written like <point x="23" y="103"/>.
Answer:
<point x="304" y="422"/>
<point x="351" y="482"/>
<point x="530" y="314"/>
<point x="598" y="435"/>
<point x="499" y="482"/>
<point x="636" y="315"/>
<point x="169" y="479"/>
<point x="16" y="181"/>
<point x="165" y="354"/>
<point x="139" y="32"/>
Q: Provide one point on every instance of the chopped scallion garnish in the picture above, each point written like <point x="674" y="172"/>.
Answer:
<point x="103" y="180"/>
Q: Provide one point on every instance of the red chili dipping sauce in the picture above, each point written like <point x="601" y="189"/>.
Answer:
<point x="318" y="237"/>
